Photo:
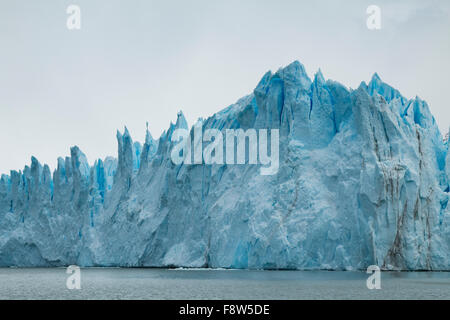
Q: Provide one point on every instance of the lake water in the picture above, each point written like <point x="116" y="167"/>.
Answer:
<point x="115" y="283"/>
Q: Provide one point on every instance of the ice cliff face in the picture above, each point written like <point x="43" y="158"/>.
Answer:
<point x="363" y="179"/>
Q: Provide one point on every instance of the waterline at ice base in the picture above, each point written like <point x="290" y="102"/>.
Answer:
<point x="363" y="179"/>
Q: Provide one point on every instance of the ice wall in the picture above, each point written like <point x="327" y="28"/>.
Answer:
<point x="363" y="179"/>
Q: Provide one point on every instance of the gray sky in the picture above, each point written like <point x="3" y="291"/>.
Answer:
<point x="138" y="61"/>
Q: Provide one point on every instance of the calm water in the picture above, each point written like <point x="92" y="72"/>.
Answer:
<point x="105" y="283"/>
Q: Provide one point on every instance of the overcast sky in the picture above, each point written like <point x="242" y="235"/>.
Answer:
<point x="138" y="61"/>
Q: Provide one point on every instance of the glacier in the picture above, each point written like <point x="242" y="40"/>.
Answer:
<point x="363" y="180"/>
